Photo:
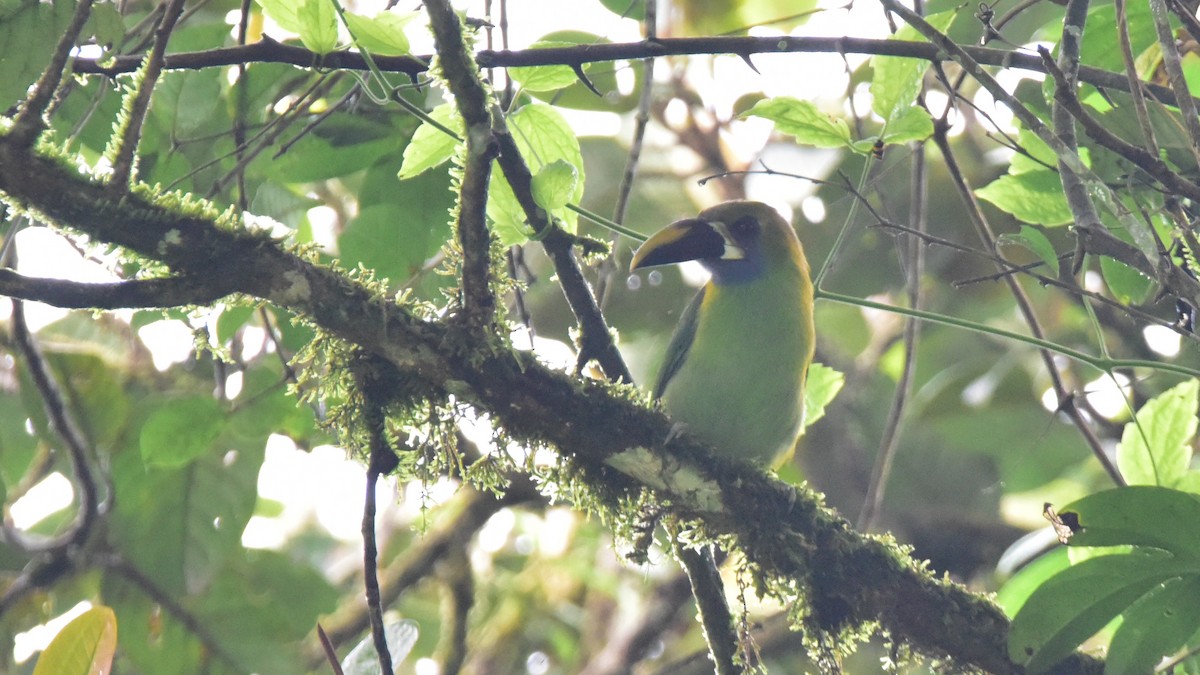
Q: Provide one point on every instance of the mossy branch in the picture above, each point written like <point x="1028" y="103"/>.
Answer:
<point x="796" y="542"/>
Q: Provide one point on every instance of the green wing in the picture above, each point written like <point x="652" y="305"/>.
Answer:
<point x="681" y="343"/>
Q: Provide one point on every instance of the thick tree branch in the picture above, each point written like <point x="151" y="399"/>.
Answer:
<point x="790" y="536"/>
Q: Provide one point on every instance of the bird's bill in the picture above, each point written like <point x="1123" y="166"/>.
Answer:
<point x="682" y="240"/>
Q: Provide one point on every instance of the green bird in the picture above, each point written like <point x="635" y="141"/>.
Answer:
<point x="734" y="371"/>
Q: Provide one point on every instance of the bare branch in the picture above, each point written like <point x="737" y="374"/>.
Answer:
<point x="165" y="292"/>
<point x="270" y="51"/>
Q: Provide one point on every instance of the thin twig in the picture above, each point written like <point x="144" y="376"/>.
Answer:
<point x="1135" y="83"/>
<point x="29" y="122"/>
<point x="126" y="148"/>
<point x="915" y="256"/>
<point x="1174" y="69"/>
<point x="641" y="119"/>
<point x="62" y="422"/>
<point x="983" y="228"/>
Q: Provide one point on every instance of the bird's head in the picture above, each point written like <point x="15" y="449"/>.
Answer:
<point x="737" y="241"/>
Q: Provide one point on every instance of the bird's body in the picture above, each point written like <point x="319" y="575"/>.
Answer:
<point x="735" y="369"/>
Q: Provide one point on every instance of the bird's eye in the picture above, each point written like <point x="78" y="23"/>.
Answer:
<point x="743" y="227"/>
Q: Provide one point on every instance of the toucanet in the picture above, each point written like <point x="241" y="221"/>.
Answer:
<point x="733" y="376"/>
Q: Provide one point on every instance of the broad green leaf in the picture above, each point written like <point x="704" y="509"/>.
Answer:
<point x="231" y="320"/>
<point x="29" y="31"/>
<point x="318" y="25"/>
<point x="1036" y="242"/>
<point x="1075" y="603"/>
<point x="381" y="34"/>
<point x="630" y="9"/>
<point x="543" y="137"/>
<point x="401" y="638"/>
<point x="185" y="101"/>
<point x="1013" y="594"/>
<point x="1098" y="47"/>
<point x="801" y="119"/>
<point x="179" y="525"/>
<point x="260" y="608"/>
<point x="283" y="12"/>
<point x="560" y="86"/>
<point x="341" y="145"/>
<point x="1139" y="515"/>
<point x="1040" y="157"/>
<point x="18" y="447"/>
<point x="1155" y="448"/>
<point x="106" y="24"/>
<point x="554" y="186"/>
<point x="181" y="430"/>
<point x="545" y="78"/>
<point x="1156" y="626"/>
<point x="1125" y="283"/>
<point x="506" y="214"/>
<point x="907" y="125"/>
<point x="897" y="80"/>
<point x="85" y="646"/>
<point x="822" y="385"/>
<point x="1188" y="482"/>
<point x="397" y="236"/>
<point x="1033" y="197"/>
<point x="431" y="146"/>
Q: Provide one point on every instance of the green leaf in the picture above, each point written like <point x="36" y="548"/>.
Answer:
<point x="106" y="24"/>
<point x="1125" y="283"/>
<point x="283" y="12"/>
<point x="561" y="86"/>
<point x="261" y="606"/>
<point x="381" y="34"/>
<point x="1077" y="602"/>
<point x="630" y="9"/>
<point x="1040" y="158"/>
<point x="398" y="230"/>
<point x="1140" y="515"/>
<point x="1013" y="594"/>
<point x="318" y="25"/>
<point x="1155" y="447"/>
<point x="545" y="78"/>
<point x="231" y="320"/>
<point x="1098" y="46"/>
<point x="181" y="430"/>
<point x="802" y="119"/>
<point x="1033" y="197"/>
<point x="1156" y="626"/>
<point x="431" y="146"/>
<point x="185" y="101"/>
<point x="543" y="137"/>
<point x="897" y="80"/>
<point x="341" y="145"/>
<point x="554" y="185"/>
<point x="1035" y="241"/>
<point x="907" y="125"/>
<point x="180" y="525"/>
<point x="83" y="647"/>
<point x="506" y="214"/>
<point x="822" y="385"/>
<point x="29" y="31"/>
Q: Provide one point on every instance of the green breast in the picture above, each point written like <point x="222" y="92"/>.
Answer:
<point x="740" y="385"/>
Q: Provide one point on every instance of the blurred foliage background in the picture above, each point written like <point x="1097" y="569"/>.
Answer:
<point x="231" y="523"/>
